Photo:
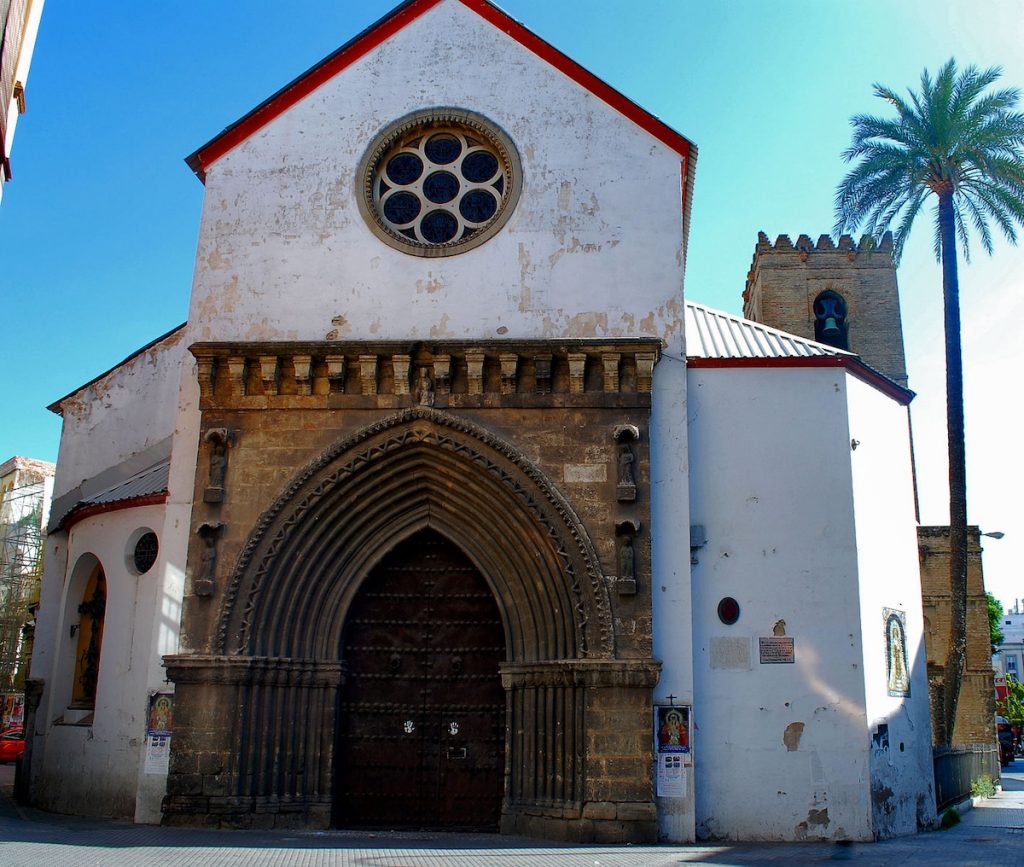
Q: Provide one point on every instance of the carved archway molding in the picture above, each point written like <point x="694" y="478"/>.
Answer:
<point x="417" y="468"/>
<point x="255" y="718"/>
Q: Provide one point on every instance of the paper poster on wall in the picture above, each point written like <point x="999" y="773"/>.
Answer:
<point x="672" y="729"/>
<point x="158" y="754"/>
<point x="160" y="719"/>
<point x="671" y="776"/>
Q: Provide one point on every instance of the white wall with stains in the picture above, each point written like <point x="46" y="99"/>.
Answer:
<point x="785" y="506"/>
<point x="91" y="764"/>
<point x="887" y="554"/>
<point x="126" y="412"/>
<point x="593" y="248"/>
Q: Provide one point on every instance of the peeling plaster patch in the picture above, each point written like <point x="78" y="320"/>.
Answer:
<point x="441" y="329"/>
<point x="525" y="264"/>
<point x="587" y="325"/>
<point x="375" y="327"/>
<point x="342" y="325"/>
<point x="791" y="737"/>
<point x="564" y="192"/>
<point x="817" y="817"/>
<point x="262" y="330"/>
<point x="525" y="299"/>
<point x="431" y="285"/>
<point x="647" y="324"/>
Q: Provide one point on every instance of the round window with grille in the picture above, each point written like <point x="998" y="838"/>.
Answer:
<point x="146" y="549"/>
<point x="439" y="182"/>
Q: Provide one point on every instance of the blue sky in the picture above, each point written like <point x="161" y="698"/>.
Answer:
<point x="99" y="224"/>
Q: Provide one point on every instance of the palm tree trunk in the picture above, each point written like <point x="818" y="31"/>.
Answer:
<point x="957" y="656"/>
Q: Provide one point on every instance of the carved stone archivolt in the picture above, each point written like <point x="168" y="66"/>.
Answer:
<point x="416" y="469"/>
<point x="258" y="713"/>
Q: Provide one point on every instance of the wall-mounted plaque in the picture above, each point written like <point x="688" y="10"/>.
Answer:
<point x="776" y="650"/>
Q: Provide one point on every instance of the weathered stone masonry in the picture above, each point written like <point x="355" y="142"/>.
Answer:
<point x="514" y="452"/>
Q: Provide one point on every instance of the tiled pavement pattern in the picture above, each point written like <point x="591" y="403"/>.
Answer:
<point x="989" y="835"/>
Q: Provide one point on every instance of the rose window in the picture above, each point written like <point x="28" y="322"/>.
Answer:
<point x="439" y="183"/>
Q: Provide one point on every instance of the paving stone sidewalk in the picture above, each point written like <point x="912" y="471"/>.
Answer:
<point x="992" y="834"/>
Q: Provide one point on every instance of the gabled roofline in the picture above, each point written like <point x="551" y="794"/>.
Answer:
<point x="55" y="406"/>
<point x="397" y="20"/>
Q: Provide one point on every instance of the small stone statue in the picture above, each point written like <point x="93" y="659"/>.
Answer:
<point x="424" y="388"/>
<point x="627" y="560"/>
<point x="220" y="439"/>
<point x="203" y="584"/>
<point x="625" y="491"/>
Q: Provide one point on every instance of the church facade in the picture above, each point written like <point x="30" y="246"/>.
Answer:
<point x="444" y="509"/>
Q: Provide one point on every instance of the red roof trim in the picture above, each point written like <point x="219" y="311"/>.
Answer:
<point x="625" y="106"/>
<point x="853" y="364"/>
<point x="81" y="514"/>
<point x="389" y="26"/>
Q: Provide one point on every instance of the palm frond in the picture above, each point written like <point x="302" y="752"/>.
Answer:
<point x="954" y="133"/>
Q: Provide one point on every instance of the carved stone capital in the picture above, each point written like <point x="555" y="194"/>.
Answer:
<point x="303" y="370"/>
<point x="577" y="371"/>
<point x="475" y="370"/>
<point x="610" y="362"/>
<point x="268" y="373"/>
<point x="368" y="374"/>
<point x="509" y="365"/>
<point x="400" y="364"/>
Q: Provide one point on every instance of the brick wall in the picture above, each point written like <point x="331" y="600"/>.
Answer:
<point x="785" y="279"/>
<point x="976" y="708"/>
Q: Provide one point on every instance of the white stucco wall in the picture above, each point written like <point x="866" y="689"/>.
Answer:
<point x="593" y="248"/>
<point x="125" y="413"/>
<point x="770" y="482"/>
<point x="94" y="769"/>
<point x="901" y="765"/>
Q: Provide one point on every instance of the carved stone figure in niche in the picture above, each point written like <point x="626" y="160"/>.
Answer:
<point x="625" y="436"/>
<point x="626" y="461"/>
<point x="205" y="581"/>
<point x="424" y="388"/>
<point x="627" y="560"/>
<point x="625" y="535"/>
<point x="220" y="438"/>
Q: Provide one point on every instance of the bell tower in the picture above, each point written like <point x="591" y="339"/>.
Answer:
<point x="841" y="294"/>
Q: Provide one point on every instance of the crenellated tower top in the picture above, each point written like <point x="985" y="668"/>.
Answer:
<point x="841" y="293"/>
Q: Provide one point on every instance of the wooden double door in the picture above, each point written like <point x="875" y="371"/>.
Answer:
<point x="421" y="719"/>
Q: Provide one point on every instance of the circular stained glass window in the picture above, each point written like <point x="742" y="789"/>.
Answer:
<point x="145" y="552"/>
<point x="439" y="182"/>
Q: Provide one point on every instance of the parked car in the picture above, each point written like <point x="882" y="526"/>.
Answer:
<point x="1004" y="733"/>
<point x="12" y="744"/>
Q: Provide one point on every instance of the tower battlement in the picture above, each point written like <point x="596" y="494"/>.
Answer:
<point x="839" y="292"/>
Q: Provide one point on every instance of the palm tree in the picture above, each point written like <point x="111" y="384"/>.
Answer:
<point x="965" y="146"/>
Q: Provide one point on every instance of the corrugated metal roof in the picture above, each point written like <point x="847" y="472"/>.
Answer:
<point x="143" y="484"/>
<point x="714" y="333"/>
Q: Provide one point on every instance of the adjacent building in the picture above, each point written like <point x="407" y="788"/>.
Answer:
<point x="19" y="26"/>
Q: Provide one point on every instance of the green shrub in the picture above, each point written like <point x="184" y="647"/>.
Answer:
<point x="949" y="818"/>
<point x="983" y="787"/>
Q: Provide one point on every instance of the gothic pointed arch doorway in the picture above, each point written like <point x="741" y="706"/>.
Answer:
<point x="421" y="721"/>
<point x="266" y="708"/>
